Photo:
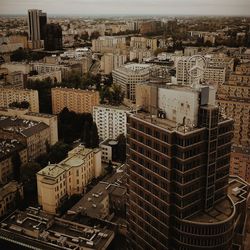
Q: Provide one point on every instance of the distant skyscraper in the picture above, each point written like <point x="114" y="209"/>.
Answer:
<point x="180" y="195"/>
<point x="36" y="22"/>
<point x="53" y="37"/>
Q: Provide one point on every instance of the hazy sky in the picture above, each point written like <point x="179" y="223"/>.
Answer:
<point x="132" y="7"/>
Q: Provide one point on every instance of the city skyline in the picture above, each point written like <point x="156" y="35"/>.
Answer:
<point x="136" y="7"/>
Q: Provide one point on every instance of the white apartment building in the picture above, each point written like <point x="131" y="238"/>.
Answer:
<point x="111" y="61"/>
<point x="9" y="95"/>
<point x="140" y="54"/>
<point x="110" y="120"/>
<point x="216" y="69"/>
<point x="129" y="75"/>
<point x="57" y="182"/>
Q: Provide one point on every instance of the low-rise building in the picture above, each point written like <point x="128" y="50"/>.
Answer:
<point x="35" y="135"/>
<point x="10" y="95"/>
<point x="77" y="100"/>
<point x="106" y="198"/>
<point x="36" y="229"/>
<point x="8" y="196"/>
<point x="57" y="182"/>
<point x="50" y="120"/>
<point x="7" y="149"/>
<point x="55" y="76"/>
<point x="109" y="150"/>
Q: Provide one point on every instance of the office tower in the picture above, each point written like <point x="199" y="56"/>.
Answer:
<point x="129" y="75"/>
<point x="234" y="99"/>
<point x="53" y="37"/>
<point x="77" y="100"/>
<point x="180" y="195"/>
<point x="36" y="22"/>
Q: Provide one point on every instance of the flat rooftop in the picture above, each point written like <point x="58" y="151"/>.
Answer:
<point x="24" y="127"/>
<point x="237" y="192"/>
<point x="76" y="157"/>
<point x="37" y="228"/>
<point x="91" y="202"/>
<point x="164" y="123"/>
<point x="7" y="147"/>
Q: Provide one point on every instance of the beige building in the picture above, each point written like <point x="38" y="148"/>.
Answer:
<point x="43" y="68"/>
<point x="234" y="100"/>
<point x="107" y="43"/>
<point x="56" y="182"/>
<point x="77" y="100"/>
<point x="55" y="76"/>
<point x="33" y="134"/>
<point x="15" y="79"/>
<point x="9" y="95"/>
<point x="7" y="148"/>
<point x="147" y="97"/>
<point x="143" y="43"/>
<point x="17" y="66"/>
<point x="111" y="61"/>
<point x="8" y="196"/>
<point x="139" y="54"/>
<point x="50" y="120"/>
<point x="240" y="162"/>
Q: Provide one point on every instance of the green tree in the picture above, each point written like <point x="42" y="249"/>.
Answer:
<point x="16" y="163"/>
<point x="58" y="152"/>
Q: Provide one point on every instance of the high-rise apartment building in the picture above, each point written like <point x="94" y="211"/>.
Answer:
<point x="108" y="43"/>
<point x="111" y="61"/>
<point x="36" y="22"/>
<point x="234" y="99"/>
<point x="180" y="195"/>
<point x="111" y="121"/>
<point x="77" y="100"/>
<point x="143" y="43"/>
<point x="10" y="95"/>
<point x="129" y="75"/>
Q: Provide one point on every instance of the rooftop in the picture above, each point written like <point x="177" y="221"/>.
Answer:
<point x="65" y="89"/>
<point x="120" y="107"/>
<point x="10" y="187"/>
<point x="91" y="202"/>
<point x="36" y="228"/>
<point x="237" y="192"/>
<point x="24" y="127"/>
<point x="7" y="147"/>
<point x="76" y="157"/>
